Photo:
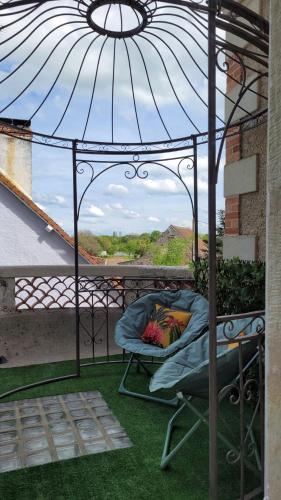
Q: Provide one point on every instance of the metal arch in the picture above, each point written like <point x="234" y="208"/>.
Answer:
<point x="137" y="172"/>
<point x="37" y="14"/>
<point x="138" y="169"/>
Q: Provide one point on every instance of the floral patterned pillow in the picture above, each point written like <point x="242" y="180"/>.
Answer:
<point x="233" y="345"/>
<point x="165" y="326"/>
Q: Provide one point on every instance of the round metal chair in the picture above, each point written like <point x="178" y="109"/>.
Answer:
<point x="187" y="374"/>
<point x="131" y="326"/>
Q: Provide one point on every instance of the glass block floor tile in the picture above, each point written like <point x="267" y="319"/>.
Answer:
<point x="42" y="430"/>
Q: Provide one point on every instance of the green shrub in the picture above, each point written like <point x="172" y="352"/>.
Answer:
<point x="172" y="254"/>
<point x="240" y="285"/>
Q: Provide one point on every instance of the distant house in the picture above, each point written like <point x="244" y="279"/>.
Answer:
<point x="28" y="236"/>
<point x="170" y="233"/>
<point x="175" y="232"/>
<point x="184" y="233"/>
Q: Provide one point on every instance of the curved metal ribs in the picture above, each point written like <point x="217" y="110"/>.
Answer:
<point x="79" y="62"/>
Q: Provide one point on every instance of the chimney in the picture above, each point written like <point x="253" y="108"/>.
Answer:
<point x="16" y="153"/>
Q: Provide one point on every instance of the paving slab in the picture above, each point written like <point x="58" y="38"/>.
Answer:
<point x="48" y="429"/>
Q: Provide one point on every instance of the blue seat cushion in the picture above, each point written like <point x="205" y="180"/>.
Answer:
<point x="136" y="317"/>
<point x="188" y="370"/>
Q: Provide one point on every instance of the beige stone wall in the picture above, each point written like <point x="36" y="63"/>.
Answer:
<point x="252" y="143"/>
<point x="252" y="205"/>
<point x="273" y="275"/>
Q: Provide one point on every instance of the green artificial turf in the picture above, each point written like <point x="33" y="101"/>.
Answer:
<point x="131" y="473"/>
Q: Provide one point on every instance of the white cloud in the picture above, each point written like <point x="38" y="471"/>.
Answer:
<point x="161" y="185"/>
<point x="95" y="211"/>
<point x="171" y="186"/>
<point x="202" y="186"/>
<point x="130" y="214"/>
<point x="121" y="211"/>
<point x="60" y="199"/>
<point x="202" y="162"/>
<point x="153" y="219"/>
<point x="179" y="222"/>
<point x="51" y="199"/>
<point x="113" y="206"/>
<point x="118" y="189"/>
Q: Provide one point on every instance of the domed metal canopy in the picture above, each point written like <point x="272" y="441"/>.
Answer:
<point x="119" y="71"/>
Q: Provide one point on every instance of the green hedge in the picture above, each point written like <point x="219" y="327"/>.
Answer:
<point x="240" y="285"/>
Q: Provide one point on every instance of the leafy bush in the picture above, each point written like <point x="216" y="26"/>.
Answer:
<point x="172" y="254"/>
<point x="88" y="241"/>
<point x="240" y="285"/>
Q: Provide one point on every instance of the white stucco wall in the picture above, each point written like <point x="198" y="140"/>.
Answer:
<point x="16" y="161"/>
<point x="23" y="238"/>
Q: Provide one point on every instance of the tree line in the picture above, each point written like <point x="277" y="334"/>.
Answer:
<point x="175" y="252"/>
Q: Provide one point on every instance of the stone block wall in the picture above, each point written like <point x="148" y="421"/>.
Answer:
<point x="245" y="169"/>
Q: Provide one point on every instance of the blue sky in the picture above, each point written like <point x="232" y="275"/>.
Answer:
<point x="113" y="203"/>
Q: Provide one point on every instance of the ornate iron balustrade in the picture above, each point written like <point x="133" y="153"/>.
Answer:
<point x="52" y="287"/>
<point x="58" y="292"/>
<point x="246" y="393"/>
<point x="48" y="293"/>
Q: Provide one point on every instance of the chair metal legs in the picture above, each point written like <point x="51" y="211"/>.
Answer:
<point x="169" y="453"/>
<point x="122" y="389"/>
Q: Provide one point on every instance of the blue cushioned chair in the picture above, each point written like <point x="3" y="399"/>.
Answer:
<point x="187" y="373"/>
<point x="133" y="322"/>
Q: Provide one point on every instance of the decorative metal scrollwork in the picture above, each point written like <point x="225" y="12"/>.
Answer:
<point x="135" y="169"/>
<point x="256" y="323"/>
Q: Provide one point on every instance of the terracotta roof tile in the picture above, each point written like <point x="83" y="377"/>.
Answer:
<point x="184" y="232"/>
<point x="7" y="183"/>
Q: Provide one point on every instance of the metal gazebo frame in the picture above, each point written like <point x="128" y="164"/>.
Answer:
<point x="136" y="156"/>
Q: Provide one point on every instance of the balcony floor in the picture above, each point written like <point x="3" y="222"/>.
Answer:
<point x="123" y="473"/>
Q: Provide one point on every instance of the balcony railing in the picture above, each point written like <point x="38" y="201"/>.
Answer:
<point x="37" y="307"/>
